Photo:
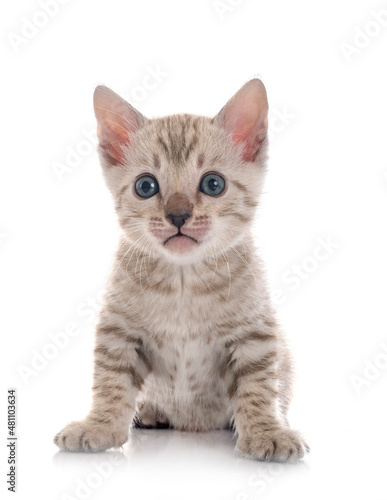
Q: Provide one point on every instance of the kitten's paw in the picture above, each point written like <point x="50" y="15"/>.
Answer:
<point x="87" y="436"/>
<point x="280" y="445"/>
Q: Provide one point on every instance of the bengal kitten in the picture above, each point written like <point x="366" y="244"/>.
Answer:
<point x="187" y="337"/>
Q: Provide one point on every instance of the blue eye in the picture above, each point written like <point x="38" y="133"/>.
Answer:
<point x="146" y="186"/>
<point x="212" y="184"/>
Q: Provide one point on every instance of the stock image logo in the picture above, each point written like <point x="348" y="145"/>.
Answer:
<point x="31" y="26"/>
<point x="44" y="356"/>
<point x="294" y="277"/>
<point x="364" y="35"/>
<point x="371" y="370"/>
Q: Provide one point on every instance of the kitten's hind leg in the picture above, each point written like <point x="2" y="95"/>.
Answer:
<point x="149" y="417"/>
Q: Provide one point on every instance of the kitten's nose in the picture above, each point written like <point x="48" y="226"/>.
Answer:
<point x="178" y="219"/>
<point x="178" y="209"/>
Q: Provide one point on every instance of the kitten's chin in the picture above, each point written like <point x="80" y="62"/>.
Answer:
<point x="180" y="244"/>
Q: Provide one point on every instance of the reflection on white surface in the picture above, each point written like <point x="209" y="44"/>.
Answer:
<point x="346" y="461"/>
<point x="172" y="465"/>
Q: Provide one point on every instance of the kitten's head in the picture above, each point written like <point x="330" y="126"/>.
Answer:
<point x="185" y="186"/>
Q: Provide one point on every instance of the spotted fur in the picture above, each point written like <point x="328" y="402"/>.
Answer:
<point x="188" y="339"/>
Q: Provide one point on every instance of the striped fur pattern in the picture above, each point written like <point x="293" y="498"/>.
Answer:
<point x="187" y="338"/>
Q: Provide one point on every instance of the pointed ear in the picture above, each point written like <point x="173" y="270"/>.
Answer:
<point x="244" y="117"/>
<point x="117" y="122"/>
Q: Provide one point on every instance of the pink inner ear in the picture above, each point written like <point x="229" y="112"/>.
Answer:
<point x="248" y="135"/>
<point x="117" y="122"/>
<point x="245" y="118"/>
<point x="250" y="147"/>
<point x="249" y="130"/>
<point x="113" y="138"/>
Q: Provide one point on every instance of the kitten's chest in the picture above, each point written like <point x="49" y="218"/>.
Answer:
<point x="188" y="322"/>
<point x="188" y="360"/>
<point x="183" y="310"/>
<point x="188" y="355"/>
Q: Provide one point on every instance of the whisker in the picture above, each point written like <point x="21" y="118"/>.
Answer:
<point x="224" y="254"/>
<point x="135" y="244"/>
<point x="245" y="261"/>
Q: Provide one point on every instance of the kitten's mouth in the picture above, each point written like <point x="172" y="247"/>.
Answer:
<point x="180" y="242"/>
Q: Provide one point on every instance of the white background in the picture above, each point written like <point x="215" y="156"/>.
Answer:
<point x="324" y="66"/>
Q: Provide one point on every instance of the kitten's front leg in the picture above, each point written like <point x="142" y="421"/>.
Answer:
<point x="263" y="433"/>
<point x="120" y="367"/>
